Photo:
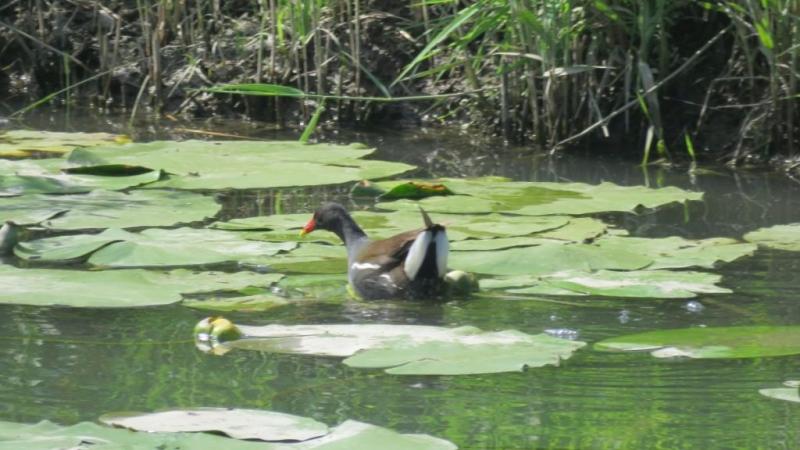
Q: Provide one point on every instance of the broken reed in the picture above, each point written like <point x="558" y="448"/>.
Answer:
<point x="555" y="68"/>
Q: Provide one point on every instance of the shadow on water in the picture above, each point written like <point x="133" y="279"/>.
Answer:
<point x="69" y="365"/>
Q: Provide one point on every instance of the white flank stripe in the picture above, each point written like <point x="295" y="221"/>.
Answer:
<point x="362" y="266"/>
<point x="416" y="254"/>
<point x="442" y="250"/>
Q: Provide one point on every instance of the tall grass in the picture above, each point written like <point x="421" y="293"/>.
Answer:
<point x="551" y="72"/>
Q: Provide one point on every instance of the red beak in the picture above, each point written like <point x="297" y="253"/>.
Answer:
<point x="309" y="227"/>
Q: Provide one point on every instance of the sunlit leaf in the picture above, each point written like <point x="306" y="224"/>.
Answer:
<point x="781" y="237"/>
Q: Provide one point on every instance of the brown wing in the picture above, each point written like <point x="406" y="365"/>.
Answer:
<point x="391" y="251"/>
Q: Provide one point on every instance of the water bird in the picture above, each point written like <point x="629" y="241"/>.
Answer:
<point x="412" y="264"/>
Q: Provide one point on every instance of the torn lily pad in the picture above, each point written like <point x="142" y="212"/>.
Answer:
<point x="412" y="349"/>
<point x="117" y="288"/>
<point x="106" y="209"/>
<point x="239" y="164"/>
<point x="711" y="343"/>
<point x="24" y="143"/>
<point x="151" y="248"/>
<point x="781" y="237"/>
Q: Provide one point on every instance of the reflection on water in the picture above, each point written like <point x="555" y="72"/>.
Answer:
<point x="69" y="365"/>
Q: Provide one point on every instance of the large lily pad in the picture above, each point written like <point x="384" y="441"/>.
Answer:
<point x="22" y="143"/>
<point x="637" y="283"/>
<point x="722" y="342"/>
<point x="117" y="288"/>
<point x="675" y="252"/>
<point x="239" y="164"/>
<point x="781" y="237"/>
<point x="106" y="209"/>
<point x="547" y="259"/>
<point x="236" y="423"/>
<point x="151" y="248"/>
<point x="90" y="436"/>
<point x="540" y="198"/>
<point x="43" y="176"/>
<point x="413" y="349"/>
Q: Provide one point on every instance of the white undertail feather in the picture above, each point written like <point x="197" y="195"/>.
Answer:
<point x="416" y="254"/>
<point x="442" y="250"/>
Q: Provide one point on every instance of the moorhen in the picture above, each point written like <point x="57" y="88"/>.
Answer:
<point x="408" y="265"/>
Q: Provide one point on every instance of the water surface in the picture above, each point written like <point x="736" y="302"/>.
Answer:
<point x="69" y="365"/>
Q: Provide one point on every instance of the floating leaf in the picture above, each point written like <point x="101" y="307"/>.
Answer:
<point x="541" y="198"/>
<point x="23" y="143"/>
<point x="789" y="394"/>
<point x="413" y="349"/>
<point x="348" y="435"/>
<point x="236" y="423"/>
<point x="106" y="209"/>
<point x="781" y="237"/>
<point x="258" y="302"/>
<point x="117" y="288"/>
<point x="151" y="248"/>
<point x="546" y="259"/>
<point x="676" y="252"/>
<point x="415" y="190"/>
<point x="608" y="283"/>
<point x="239" y="164"/>
<point x="723" y="342"/>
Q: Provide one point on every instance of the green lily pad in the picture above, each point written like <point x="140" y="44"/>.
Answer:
<point x="349" y="434"/>
<point x="23" y="143"/>
<point x="781" y="237"/>
<point x="786" y="394"/>
<point x="258" y="302"/>
<point x="107" y="209"/>
<point x="608" y="283"/>
<point x="547" y="259"/>
<point x="239" y="164"/>
<point x="500" y="243"/>
<point x="117" y="288"/>
<point x="723" y="342"/>
<point x="151" y="248"/>
<point x="676" y="252"/>
<point x="540" y="198"/>
<point x="413" y="349"/>
<point x="42" y="176"/>
<point x="416" y="189"/>
<point x="235" y="423"/>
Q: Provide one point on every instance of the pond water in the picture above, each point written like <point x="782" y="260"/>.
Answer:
<point x="69" y="365"/>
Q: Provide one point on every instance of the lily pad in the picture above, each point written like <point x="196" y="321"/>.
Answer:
<point x="722" y="342"/>
<point x="781" y="237"/>
<point x="541" y="198"/>
<point x="236" y="423"/>
<point x="416" y="189"/>
<point x="638" y="283"/>
<point x="258" y="302"/>
<point x="117" y="288"/>
<point x="239" y="164"/>
<point x="789" y="393"/>
<point x="413" y="349"/>
<point x="86" y="435"/>
<point x="676" y="252"/>
<point x="151" y="248"/>
<point x="107" y="209"/>
<point x="547" y="259"/>
<point x="23" y="143"/>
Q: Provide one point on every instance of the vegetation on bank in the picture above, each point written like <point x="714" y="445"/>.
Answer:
<point x="675" y="77"/>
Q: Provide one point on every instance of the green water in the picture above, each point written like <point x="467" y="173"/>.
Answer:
<point x="70" y="365"/>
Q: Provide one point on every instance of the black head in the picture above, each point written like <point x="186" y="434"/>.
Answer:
<point x="329" y="216"/>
